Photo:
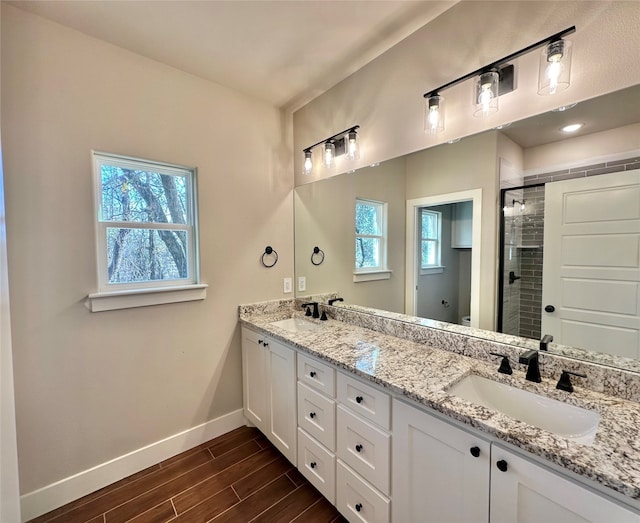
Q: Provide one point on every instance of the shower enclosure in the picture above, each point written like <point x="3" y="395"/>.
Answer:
<point x="521" y="254"/>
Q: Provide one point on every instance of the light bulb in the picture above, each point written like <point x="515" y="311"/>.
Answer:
<point x="486" y="89"/>
<point x="555" y="67"/>
<point x="434" y="117"/>
<point x="308" y="163"/>
<point x="329" y="154"/>
<point x="353" y="151"/>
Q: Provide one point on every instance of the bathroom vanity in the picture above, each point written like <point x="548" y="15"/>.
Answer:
<point x="368" y="411"/>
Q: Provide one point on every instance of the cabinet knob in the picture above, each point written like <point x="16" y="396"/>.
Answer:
<point x="358" y="507"/>
<point x="312" y="415"/>
<point x="260" y="342"/>
<point x="502" y="465"/>
<point x="358" y="448"/>
<point x="312" y="464"/>
<point x="475" y="451"/>
<point x="265" y="344"/>
<point x="312" y="374"/>
<point x="359" y="399"/>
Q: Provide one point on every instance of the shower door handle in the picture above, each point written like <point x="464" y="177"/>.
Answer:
<point x="513" y="277"/>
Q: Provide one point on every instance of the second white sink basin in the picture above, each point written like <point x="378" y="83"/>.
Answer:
<point x="296" y="325"/>
<point x="562" y="419"/>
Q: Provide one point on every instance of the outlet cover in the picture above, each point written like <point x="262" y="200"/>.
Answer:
<point x="302" y="283"/>
<point x="287" y="285"/>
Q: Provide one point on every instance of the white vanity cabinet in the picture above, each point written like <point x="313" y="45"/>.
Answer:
<point x="440" y="472"/>
<point x="317" y="424"/>
<point x="269" y="389"/>
<point x="523" y="491"/>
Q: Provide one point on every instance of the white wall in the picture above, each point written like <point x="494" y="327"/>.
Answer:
<point x="385" y="96"/>
<point x="93" y="386"/>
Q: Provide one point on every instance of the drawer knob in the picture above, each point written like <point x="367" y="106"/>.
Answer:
<point x="502" y="465"/>
<point x="358" y="447"/>
<point x="359" y="399"/>
<point x="312" y="374"/>
<point x="312" y="464"/>
<point x="260" y="342"/>
<point x="312" y="414"/>
<point x="475" y="451"/>
<point x="358" y="507"/>
<point x="265" y="344"/>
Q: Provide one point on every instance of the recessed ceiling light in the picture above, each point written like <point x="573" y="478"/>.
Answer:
<point x="563" y="108"/>
<point x="455" y="140"/>
<point x="375" y="164"/>
<point x="571" y="128"/>
<point x="503" y="126"/>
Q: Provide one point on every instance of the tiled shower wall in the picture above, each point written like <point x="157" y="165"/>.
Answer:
<point x="532" y="250"/>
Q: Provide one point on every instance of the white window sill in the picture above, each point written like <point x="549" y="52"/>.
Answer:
<point x="432" y="270"/>
<point x="371" y="276"/>
<point x="109" y="301"/>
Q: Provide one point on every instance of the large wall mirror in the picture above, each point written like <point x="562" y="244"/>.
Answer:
<point x="463" y="235"/>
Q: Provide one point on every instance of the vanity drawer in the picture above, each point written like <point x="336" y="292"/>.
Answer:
<point x="318" y="375"/>
<point x="317" y="416"/>
<point x="317" y="464"/>
<point x="357" y="500"/>
<point x="365" y="400"/>
<point x="365" y="448"/>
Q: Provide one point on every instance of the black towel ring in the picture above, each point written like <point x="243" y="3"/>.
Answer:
<point x="267" y="252"/>
<point x="317" y="251"/>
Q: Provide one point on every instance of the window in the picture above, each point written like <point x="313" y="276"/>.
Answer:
<point x="371" y="238"/>
<point x="147" y="236"/>
<point x="430" y="239"/>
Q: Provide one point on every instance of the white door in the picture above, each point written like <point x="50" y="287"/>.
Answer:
<point x="591" y="268"/>
<point x="281" y="381"/>
<point x="254" y="377"/>
<point x="524" y="492"/>
<point x="440" y="473"/>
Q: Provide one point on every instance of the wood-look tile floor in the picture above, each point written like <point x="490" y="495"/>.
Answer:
<point x="238" y="477"/>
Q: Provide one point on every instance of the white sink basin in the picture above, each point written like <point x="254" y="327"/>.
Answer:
<point x="296" y="325"/>
<point x="562" y="419"/>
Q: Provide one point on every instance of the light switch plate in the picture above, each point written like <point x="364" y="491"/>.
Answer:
<point x="287" y="285"/>
<point x="302" y="283"/>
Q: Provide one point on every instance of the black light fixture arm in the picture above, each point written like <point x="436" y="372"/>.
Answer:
<point x="495" y="65"/>
<point x="342" y="133"/>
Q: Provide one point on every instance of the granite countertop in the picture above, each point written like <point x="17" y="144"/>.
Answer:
<point x="422" y="373"/>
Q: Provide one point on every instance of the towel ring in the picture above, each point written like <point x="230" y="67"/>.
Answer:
<point x="267" y="252"/>
<point x="317" y="251"/>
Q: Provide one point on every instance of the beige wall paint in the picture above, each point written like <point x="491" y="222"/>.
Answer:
<point x="468" y="164"/>
<point x="385" y="96"/>
<point x="94" y="386"/>
<point x="325" y="214"/>
<point x="583" y="150"/>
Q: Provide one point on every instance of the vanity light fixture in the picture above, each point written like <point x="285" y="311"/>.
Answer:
<point x="344" y="142"/>
<point x="554" y="77"/>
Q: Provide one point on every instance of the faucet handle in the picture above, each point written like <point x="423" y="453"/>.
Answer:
<point x="505" y="367"/>
<point x="564" y="383"/>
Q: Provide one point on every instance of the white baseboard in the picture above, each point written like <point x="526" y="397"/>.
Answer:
<point x="69" y="489"/>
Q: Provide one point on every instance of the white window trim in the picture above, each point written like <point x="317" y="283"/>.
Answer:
<point x="368" y="273"/>
<point x="130" y="295"/>
<point x="436" y="268"/>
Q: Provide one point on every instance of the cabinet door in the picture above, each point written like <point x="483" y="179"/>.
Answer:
<point x="439" y="472"/>
<point x="254" y="377"/>
<point x="281" y="383"/>
<point x="523" y="492"/>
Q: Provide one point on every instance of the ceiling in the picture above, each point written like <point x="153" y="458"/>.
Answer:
<point x="283" y="52"/>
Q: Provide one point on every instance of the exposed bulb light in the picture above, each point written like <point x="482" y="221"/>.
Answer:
<point x="308" y="163"/>
<point x="486" y="94"/>
<point x="521" y="204"/>
<point x="571" y="128"/>
<point x="328" y="158"/>
<point x="434" y="114"/>
<point x="555" y="67"/>
<point x="353" y="149"/>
